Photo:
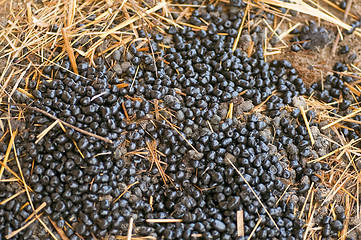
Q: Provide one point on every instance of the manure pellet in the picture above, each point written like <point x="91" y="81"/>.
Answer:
<point x="168" y="156"/>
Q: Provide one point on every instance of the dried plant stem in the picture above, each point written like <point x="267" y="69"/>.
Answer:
<point x="338" y="8"/>
<point x="235" y="44"/>
<point x="303" y="7"/>
<point x="130" y="229"/>
<point x="7" y="153"/>
<point x="304" y="205"/>
<point x="15" y="175"/>
<point x="255" y="228"/>
<point x="230" y="111"/>
<point x="240" y="224"/>
<point x="164" y="220"/>
<point x="310" y="221"/>
<point x="286" y="33"/>
<point x="45" y="131"/>
<point x="342" y="118"/>
<point x="133" y="19"/>
<point x="64" y="123"/>
<point x="348" y="7"/>
<point x="335" y="189"/>
<point x="307" y="125"/>
<point x="258" y="199"/>
<point x="12" y="197"/>
<point x="36" y="211"/>
<point x="185" y="139"/>
<point x="155" y="159"/>
<point x="14" y="233"/>
<point x="126" y="190"/>
<point x="59" y="230"/>
<point x="135" y="238"/>
<point x="335" y="151"/>
<point x="70" y="51"/>
<point x="46" y="227"/>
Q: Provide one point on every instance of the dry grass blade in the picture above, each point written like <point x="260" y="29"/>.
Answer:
<point x="255" y="228"/>
<point x="135" y="238"/>
<point x="335" y="151"/>
<point x="155" y="159"/>
<point x="353" y="89"/>
<point x="235" y="44"/>
<point x="258" y="199"/>
<point x="70" y="51"/>
<point x="345" y="233"/>
<point x="77" y="148"/>
<point x="126" y="190"/>
<point x="36" y="211"/>
<point x="133" y="19"/>
<point x="304" y="205"/>
<point x="230" y="111"/>
<point x="171" y="220"/>
<point x="348" y="7"/>
<point x="307" y="125"/>
<point x="12" y="197"/>
<point x="7" y="153"/>
<point x="71" y="12"/>
<point x="303" y="7"/>
<point x="274" y="33"/>
<point x="197" y="235"/>
<point x="240" y="224"/>
<point x="19" y="80"/>
<point x="59" y="230"/>
<point x="64" y="123"/>
<point x="354" y="113"/>
<point x="21" y="171"/>
<point x="130" y="229"/>
<point x="45" y="131"/>
<point x="14" y="233"/>
<point x="9" y="180"/>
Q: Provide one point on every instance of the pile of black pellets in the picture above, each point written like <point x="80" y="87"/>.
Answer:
<point x="176" y="151"/>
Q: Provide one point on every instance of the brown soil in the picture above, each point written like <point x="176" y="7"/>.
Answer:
<point x="315" y="65"/>
<point x="4" y="13"/>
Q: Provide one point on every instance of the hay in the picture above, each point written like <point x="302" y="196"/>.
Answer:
<point x="31" y="39"/>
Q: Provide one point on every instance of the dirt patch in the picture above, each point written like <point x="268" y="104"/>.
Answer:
<point x="314" y="65"/>
<point x="5" y="7"/>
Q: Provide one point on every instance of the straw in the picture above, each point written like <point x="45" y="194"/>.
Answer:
<point x="130" y="229"/>
<point x="240" y="224"/>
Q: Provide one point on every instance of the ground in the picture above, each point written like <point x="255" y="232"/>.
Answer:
<point x="312" y="65"/>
